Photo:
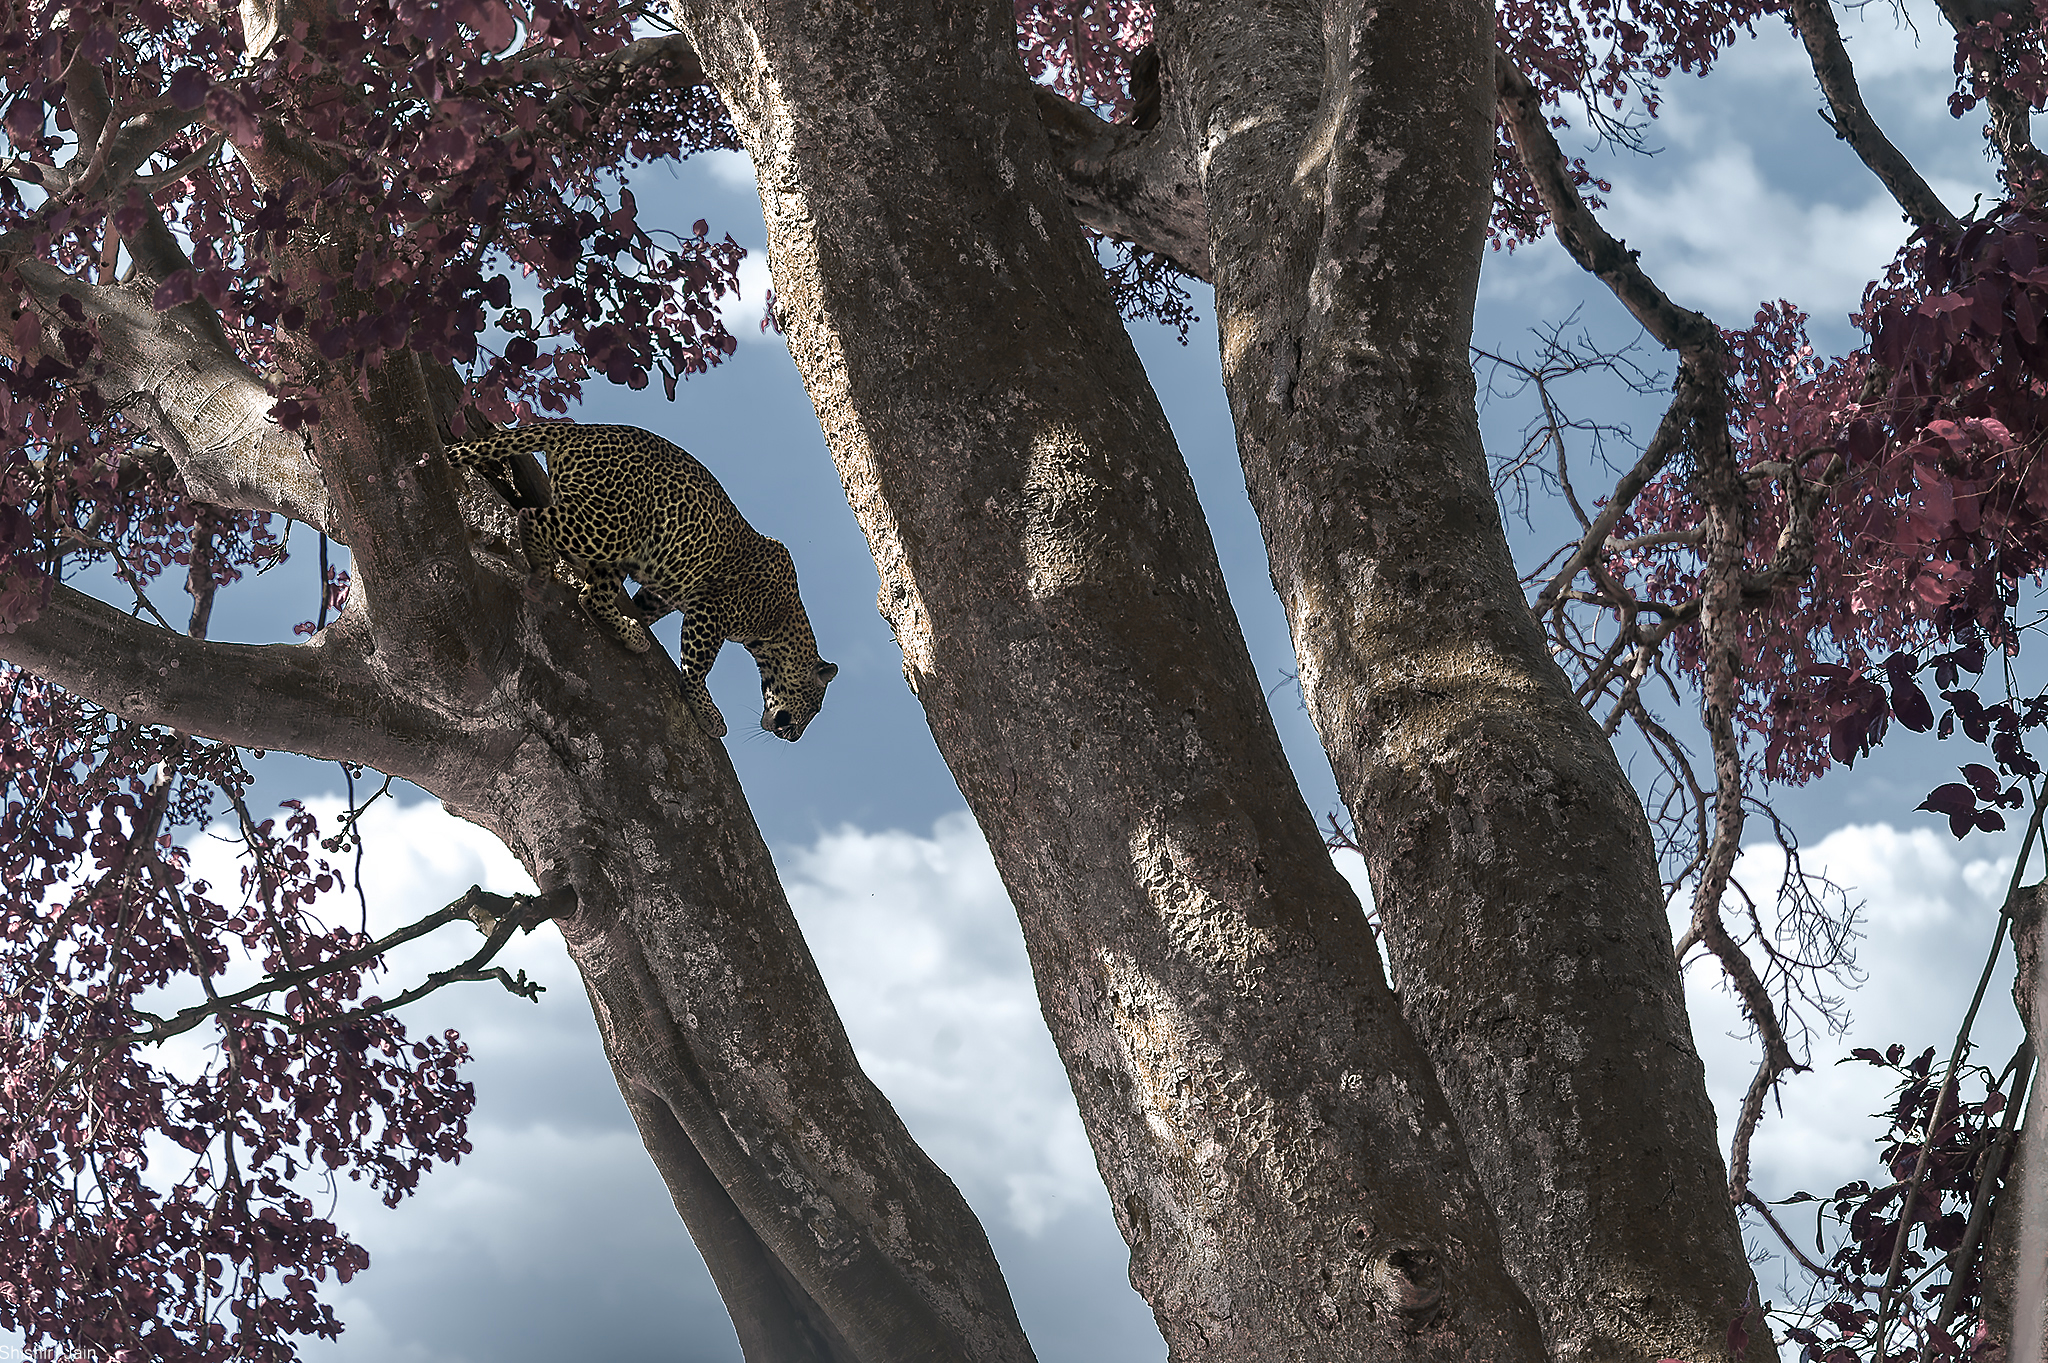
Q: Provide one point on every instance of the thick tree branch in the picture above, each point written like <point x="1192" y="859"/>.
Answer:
<point x="1815" y="22"/>
<point x="1136" y="185"/>
<point x="1178" y="925"/>
<point x="318" y="698"/>
<point x="180" y="380"/>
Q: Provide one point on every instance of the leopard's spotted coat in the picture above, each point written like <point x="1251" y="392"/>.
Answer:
<point x="629" y="503"/>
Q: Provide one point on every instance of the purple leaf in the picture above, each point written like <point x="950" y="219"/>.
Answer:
<point x="189" y="85"/>
<point x="1983" y="780"/>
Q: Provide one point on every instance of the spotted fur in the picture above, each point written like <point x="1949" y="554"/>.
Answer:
<point x="628" y="503"/>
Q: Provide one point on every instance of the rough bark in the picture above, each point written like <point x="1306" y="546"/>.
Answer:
<point x="1139" y="185"/>
<point x="727" y="1047"/>
<point x="319" y="699"/>
<point x="1292" y="1179"/>
<point x="1274" y="1144"/>
<point x="1346" y="168"/>
<point x="177" y="377"/>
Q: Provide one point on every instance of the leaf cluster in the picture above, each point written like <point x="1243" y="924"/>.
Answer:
<point x="1967" y="1147"/>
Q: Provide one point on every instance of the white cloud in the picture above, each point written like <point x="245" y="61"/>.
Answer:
<point x="1880" y="44"/>
<point x="731" y="169"/>
<point x="1749" y="197"/>
<point x="921" y="950"/>
<point x="1722" y="239"/>
<point x="555" y="1238"/>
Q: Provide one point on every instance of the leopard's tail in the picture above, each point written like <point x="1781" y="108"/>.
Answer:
<point x="495" y="455"/>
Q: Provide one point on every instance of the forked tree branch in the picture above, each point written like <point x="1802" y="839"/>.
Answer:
<point x="1136" y="185"/>
<point x="496" y="916"/>
<point x="1669" y="437"/>
<point x="180" y="380"/>
<point x="1815" y="22"/>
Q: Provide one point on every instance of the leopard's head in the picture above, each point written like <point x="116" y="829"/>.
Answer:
<point x="791" y="696"/>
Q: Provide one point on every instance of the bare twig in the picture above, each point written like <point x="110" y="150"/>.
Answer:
<point x="1762" y="1208"/>
<point x="498" y="916"/>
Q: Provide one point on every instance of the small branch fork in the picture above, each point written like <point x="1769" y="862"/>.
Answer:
<point x="497" y="916"/>
<point x="1694" y="431"/>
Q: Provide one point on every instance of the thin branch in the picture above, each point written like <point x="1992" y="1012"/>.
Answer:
<point x="1757" y="1204"/>
<point x="1669" y="438"/>
<point x="1815" y="22"/>
<point x="1888" y="1298"/>
<point x="1981" y="1209"/>
<point x="2011" y="123"/>
<point x="199" y="579"/>
<point x="182" y="169"/>
<point x="121" y="570"/>
<point x="1578" y="231"/>
<point x="497" y="916"/>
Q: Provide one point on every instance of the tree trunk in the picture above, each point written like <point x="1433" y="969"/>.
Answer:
<point x="1273" y="1139"/>
<point x="831" y="1234"/>
<point x="1347" y="165"/>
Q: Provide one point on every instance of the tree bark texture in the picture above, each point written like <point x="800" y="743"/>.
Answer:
<point x="1345" y="154"/>
<point x="847" y="1242"/>
<point x="1274" y="1143"/>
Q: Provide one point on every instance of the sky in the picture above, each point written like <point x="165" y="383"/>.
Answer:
<point x="554" y="1238"/>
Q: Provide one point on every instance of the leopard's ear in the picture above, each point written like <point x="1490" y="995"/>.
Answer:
<point x="827" y="671"/>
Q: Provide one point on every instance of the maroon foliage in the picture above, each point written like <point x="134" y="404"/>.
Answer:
<point x="182" y="1067"/>
<point x="155" y="1200"/>
<point x="1970" y="1145"/>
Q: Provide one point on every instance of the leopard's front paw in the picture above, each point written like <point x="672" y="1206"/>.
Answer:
<point x="708" y="716"/>
<point x="633" y="635"/>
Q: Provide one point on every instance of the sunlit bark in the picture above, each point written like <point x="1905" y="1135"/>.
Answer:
<point x="1347" y="170"/>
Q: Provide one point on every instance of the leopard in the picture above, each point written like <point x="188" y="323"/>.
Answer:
<point x="626" y="502"/>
